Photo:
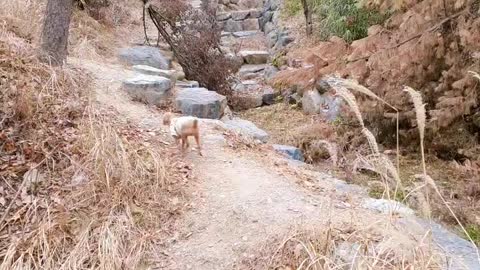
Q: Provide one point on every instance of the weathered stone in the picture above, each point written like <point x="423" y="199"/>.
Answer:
<point x="200" y="102"/>
<point x="154" y="90"/>
<point x="292" y="152"/>
<point x="244" y="34"/>
<point x="250" y="24"/>
<point x="144" y="55"/>
<point x="246" y="128"/>
<point x="240" y="15"/>
<point x="233" y="26"/>
<point x="283" y="41"/>
<point x="269" y="95"/>
<point x="223" y="16"/>
<point x="187" y="84"/>
<point x="245" y="69"/>
<point x="268" y="27"/>
<point x="294" y="99"/>
<point x="255" y="57"/>
<point x="255" y="13"/>
<point x="311" y="102"/>
<point x="148" y="70"/>
<point x="270" y="71"/>
<point x="272" y="38"/>
<point x="264" y="19"/>
<point x="322" y="86"/>
<point x="246" y="101"/>
<point x="387" y="206"/>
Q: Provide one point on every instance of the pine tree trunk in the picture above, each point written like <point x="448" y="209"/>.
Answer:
<point x="308" y="17"/>
<point x="55" y="30"/>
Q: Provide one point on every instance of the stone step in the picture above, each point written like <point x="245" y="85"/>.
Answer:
<point x="239" y="15"/>
<point x="153" y="90"/>
<point x="245" y="34"/>
<point x="255" y="57"/>
<point x="200" y="102"/>
<point x="231" y="25"/>
<point x="187" y="84"/>
<point x="251" y="69"/>
<point x="167" y="73"/>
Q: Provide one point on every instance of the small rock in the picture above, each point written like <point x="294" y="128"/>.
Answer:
<point x="291" y="151"/>
<point x="311" y="102"/>
<point x="294" y="99"/>
<point x="269" y="95"/>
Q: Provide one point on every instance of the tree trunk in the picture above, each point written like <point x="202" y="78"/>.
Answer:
<point x="308" y="17"/>
<point x="55" y="30"/>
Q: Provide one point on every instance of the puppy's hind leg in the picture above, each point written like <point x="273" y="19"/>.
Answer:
<point x="197" y="139"/>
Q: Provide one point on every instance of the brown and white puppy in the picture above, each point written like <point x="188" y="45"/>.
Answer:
<point x="183" y="127"/>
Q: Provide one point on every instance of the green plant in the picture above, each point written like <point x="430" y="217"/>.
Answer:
<point x="474" y="232"/>
<point x="345" y="19"/>
<point x="291" y="8"/>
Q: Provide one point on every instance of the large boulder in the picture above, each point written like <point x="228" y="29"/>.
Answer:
<point x="290" y="151"/>
<point x="144" y="55"/>
<point x="200" y="102"/>
<point x="255" y="57"/>
<point x="327" y="105"/>
<point x="154" y="90"/>
<point x="246" y="128"/>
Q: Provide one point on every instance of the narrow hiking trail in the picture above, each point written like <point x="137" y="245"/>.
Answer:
<point x="241" y="198"/>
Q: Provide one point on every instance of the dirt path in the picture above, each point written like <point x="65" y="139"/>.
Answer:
<point x="240" y="199"/>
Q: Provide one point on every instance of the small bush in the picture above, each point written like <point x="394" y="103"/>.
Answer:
<point x="345" y="19"/>
<point x="194" y="37"/>
<point x="291" y="7"/>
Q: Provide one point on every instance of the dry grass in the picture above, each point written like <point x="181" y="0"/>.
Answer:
<point x="78" y="188"/>
<point x="341" y="246"/>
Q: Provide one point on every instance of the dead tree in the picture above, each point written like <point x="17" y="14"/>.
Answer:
<point x="56" y="26"/>
<point x="308" y="17"/>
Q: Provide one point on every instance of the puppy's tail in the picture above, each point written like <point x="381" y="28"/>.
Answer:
<point x="195" y="123"/>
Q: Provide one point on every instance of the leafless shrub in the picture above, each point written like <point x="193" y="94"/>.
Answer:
<point x="194" y="37"/>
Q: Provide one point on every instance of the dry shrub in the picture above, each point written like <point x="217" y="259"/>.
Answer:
<point x="343" y="246"/>
<point x="79" y="188"/>
<point x="194" y="37"/>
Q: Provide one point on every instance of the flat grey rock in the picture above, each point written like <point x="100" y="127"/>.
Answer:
<point x="233" y="26"/>
<point x="200" y="102"/>
<point x="223" y="16"/>
<point x="291" y="151"/>
<point x="255" y="57"/>
<point x="244" y="34"/>
<point x="186" y="84"/>
<point x="247" y="128"/>
<point x="144" y="55"/>
<point x="154" y="90"/>
<point x="240" y="15"/>
<point x="251" y="69"/>
<point x="148" y="70"/>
